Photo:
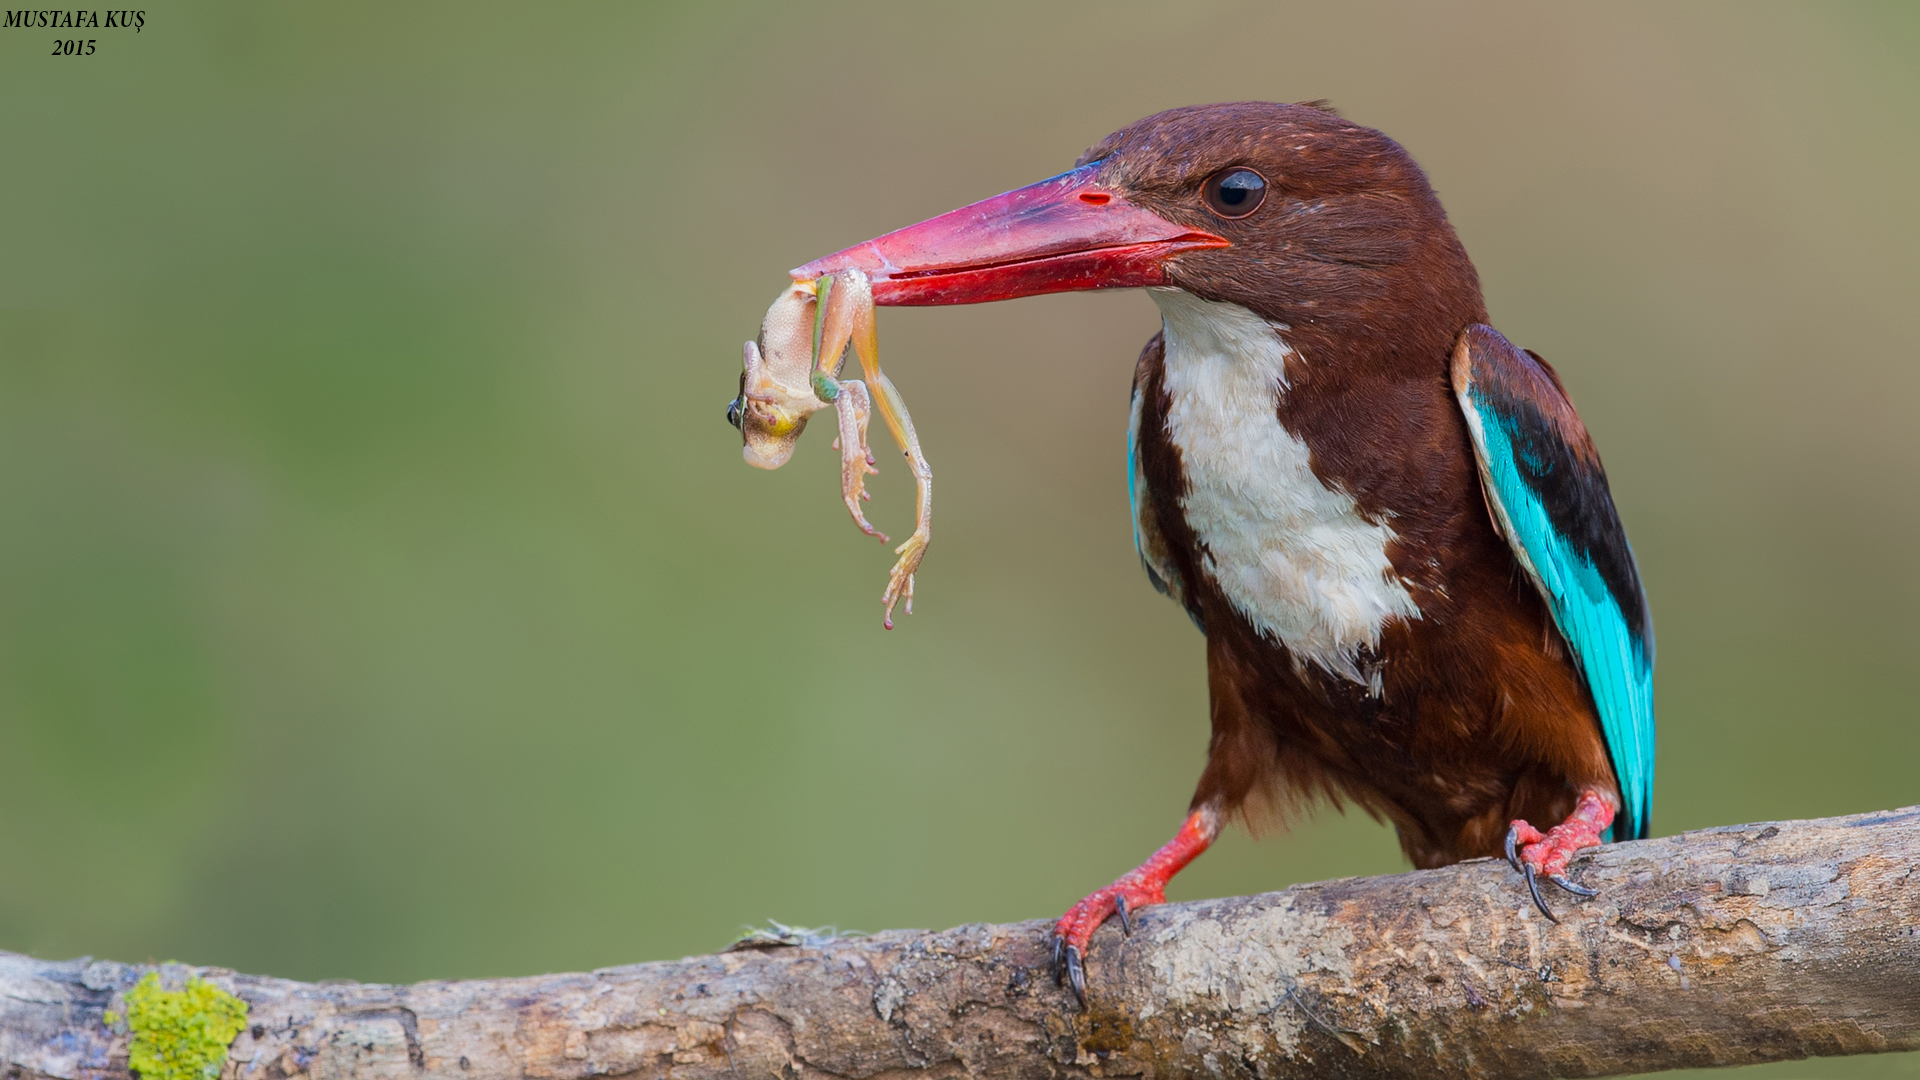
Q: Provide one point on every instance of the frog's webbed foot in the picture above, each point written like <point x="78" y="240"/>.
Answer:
<point x="900" y="582"/>
<point x="855" y="408"/>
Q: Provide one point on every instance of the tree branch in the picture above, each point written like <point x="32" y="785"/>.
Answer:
<point x="1727" y="946"/>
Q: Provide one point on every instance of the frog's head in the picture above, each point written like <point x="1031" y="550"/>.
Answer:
<point x="776" y="388"/>
<point x="769" y="425"/>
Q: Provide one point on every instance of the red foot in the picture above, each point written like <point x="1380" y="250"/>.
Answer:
<point x="1546" y="854"/>
<point x="1143" y="885"/>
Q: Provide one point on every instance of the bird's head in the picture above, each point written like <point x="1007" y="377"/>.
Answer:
<point x="1289" y="210"/>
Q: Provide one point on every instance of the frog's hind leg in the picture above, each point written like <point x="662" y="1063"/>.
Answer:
<point x="855" y="409"/>
<point x="848" y="309"/>
<point x="893" y="409"/>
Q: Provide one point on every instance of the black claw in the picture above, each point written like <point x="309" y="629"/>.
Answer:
<point x="1577" y="890"/>
<point x="1513" y="840"/>
<point x="1076" y="975"/>
<point x="1126" y="919"/>
<point x="1059" y="971"/>
<point x="1533" y="886"/>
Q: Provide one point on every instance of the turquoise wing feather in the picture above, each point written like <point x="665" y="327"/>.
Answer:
<point x="1549" y="498"/>
<point x="1141" y="501"/>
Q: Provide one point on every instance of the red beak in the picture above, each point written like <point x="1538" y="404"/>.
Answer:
<point x="1058" y="235"/>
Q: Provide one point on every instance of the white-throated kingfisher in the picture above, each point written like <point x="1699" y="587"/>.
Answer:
<point x="1387" y="520"/>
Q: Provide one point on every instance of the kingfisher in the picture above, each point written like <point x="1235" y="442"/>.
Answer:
<point x="1387" y="520"/>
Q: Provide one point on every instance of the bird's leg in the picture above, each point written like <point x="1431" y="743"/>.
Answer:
<point x="858" y="299"/>
<point x="1143" y="885"/>
<point x="1537" y="854"/>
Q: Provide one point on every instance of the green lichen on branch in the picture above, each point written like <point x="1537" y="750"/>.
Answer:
<point x="180" y="1034"/>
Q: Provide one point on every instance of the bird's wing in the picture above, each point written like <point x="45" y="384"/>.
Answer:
<point x="1549" y="498"/>
<point x="1147" y="539"/>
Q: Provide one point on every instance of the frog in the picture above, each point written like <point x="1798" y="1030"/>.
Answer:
<point x="793" y="371"/>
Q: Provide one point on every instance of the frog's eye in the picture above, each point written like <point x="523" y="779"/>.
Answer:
<point x="733" y="412"/>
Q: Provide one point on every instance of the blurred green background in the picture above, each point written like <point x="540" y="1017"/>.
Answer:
<point x="383" y="596"/>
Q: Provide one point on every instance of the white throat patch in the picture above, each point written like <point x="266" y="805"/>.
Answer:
<point x="1294" y="557"/>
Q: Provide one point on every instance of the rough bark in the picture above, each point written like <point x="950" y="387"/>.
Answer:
<point x="1727" y="946"/>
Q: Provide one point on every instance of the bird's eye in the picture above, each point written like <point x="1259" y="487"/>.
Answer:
<point x="733" y="412"/>
<point x="1234" y="193"/>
